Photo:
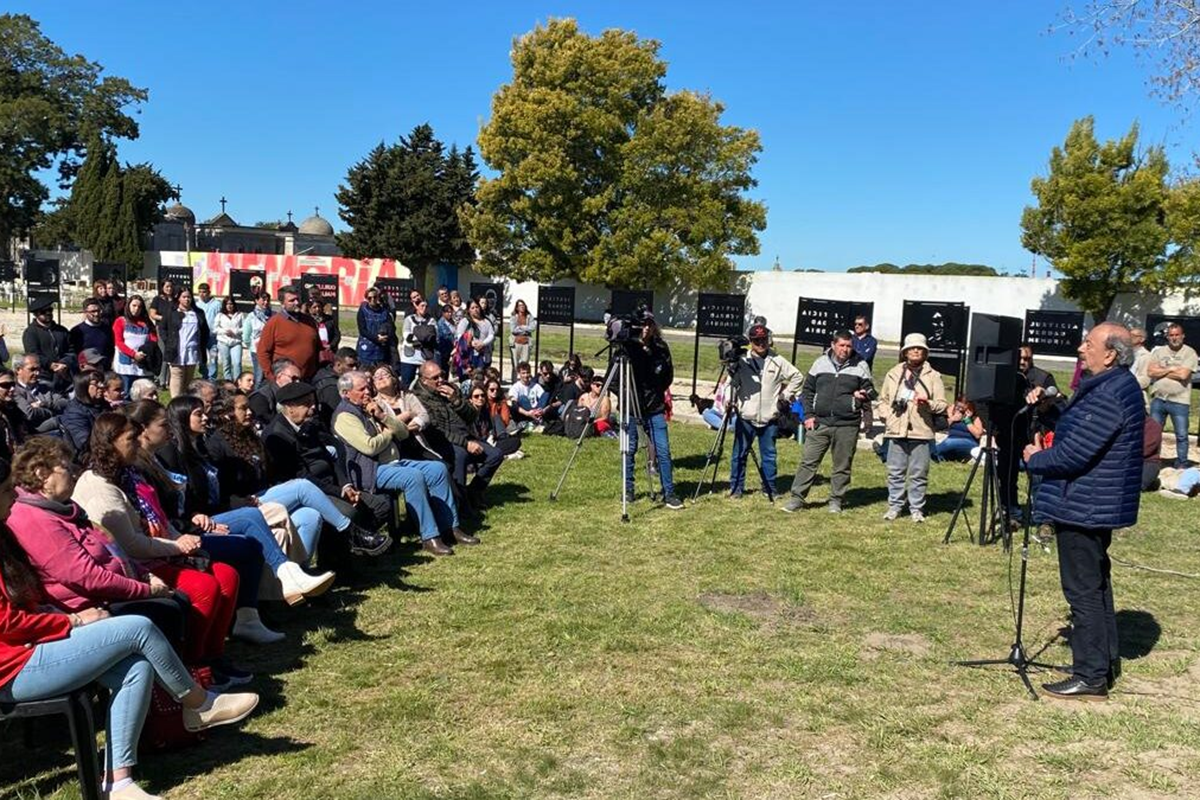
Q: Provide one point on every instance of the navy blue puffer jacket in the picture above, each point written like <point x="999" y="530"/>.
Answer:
<point x="1093" y="473"/>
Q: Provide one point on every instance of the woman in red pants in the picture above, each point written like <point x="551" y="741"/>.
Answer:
<point x="138" y="525"/>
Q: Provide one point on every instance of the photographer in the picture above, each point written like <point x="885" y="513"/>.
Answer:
<point x="837" y="387"/>
<point x="758" y="380"/>
<point x="913" y="394"/>
<point x="650" y="361"/>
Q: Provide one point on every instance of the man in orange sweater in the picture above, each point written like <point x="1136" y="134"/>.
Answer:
<point x="289" y="334"/>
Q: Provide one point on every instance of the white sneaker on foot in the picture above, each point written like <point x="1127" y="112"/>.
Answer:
<point x="891" y="514"/>
<point x="918" y="515"/>
<point x="220" y="709"/>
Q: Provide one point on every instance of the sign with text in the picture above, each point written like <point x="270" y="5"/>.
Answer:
<point x="626" y="302"/>
<point x="817" y="319"/>
<point x="556" y="305"/>
<point x="326" y="286"/>
<point x="720" y="314"/>
<point x="397" y="291"/>
<point x="1054" y="333"/>
<point x="244" y="285"/>
<point x="179" y="277"/>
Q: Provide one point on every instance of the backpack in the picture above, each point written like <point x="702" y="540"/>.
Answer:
<point x="426" y="338"/>
<point x="577" y="421"/>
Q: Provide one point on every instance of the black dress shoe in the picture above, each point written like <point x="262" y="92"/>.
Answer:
<point x="367" y="543"/>
<point x="1076" y="689"/>
<point x="462" y="537"/>
<point x="436" y="546"/>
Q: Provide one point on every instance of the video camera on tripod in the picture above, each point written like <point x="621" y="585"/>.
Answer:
<point x="622" y="328"/>
<point x="731" y="350"/>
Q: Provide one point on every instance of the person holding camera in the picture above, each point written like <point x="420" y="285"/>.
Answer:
<point x="913" y="394"/>
<point x="835" y="390"/>
<point x="650" y="360"/>
<point x="758" y="381"/>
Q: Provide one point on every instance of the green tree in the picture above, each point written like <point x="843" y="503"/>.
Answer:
<point x="51" y="104"/>
<point x="603" y="175"/>
<point x="401" y="202"/>
<point x="1100" y="217"/>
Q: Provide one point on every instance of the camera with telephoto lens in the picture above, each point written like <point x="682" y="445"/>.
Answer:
<point x="731" y="350"/>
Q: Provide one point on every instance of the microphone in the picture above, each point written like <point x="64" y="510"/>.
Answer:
<point x="1048" y="392"/>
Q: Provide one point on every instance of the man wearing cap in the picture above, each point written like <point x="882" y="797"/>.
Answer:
<point x="297" y="446"/>
<point x="837" y="387"/>
<point x="50" y="342"/>
<point x="92" y="333"/>
<point x="913" y="394"/>
<point x="370" y="431"/>
<point x="759" y="381"/>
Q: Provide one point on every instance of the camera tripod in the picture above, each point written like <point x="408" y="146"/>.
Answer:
<point x="621" y="369"/>
<point x="992" y="522"/>
<point x="715" y="453"/>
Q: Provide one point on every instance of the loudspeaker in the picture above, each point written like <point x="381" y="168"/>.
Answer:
<point x="992" y="375"/>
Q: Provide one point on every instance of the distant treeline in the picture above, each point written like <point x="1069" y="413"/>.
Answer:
<point x="949" y="268"/>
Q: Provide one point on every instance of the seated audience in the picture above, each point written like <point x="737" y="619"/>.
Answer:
<point x="528" y="397"/>
<point x="390" y="390"/>
<point x="370" y="431"/>
<point x="47" y="654"/>
<point x="499" y="409"/>
<point x="240" y="457"/>
<point x="298" y="445"/>
<point x="599" y="403"/>
<point x="205" y="391"/>
<point x="449" y="432"/>
<point x="484" y="427"/>
<point x="325" y="382"/>
<point x="186" y="461"/>
<point x="114" y="391"/>
<point x="211" y="590"/>
<point x="245" y="382"/>
<point x="143" y="389"/>
<point x="38" y="403"/>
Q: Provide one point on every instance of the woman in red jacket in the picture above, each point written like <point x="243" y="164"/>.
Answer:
<point x="46" y="655"/>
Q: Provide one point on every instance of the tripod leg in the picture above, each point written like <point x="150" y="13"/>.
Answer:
<point x="962" y="501"/>
<point x="579" y="442"/>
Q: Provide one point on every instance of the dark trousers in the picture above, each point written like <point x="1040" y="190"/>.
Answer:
<point x="488" y="462"/>
<point x="1086" y="576"/>
<point x="244" y="555"/>
<point x="169" y="615"/>
<point x="843" y="439"/>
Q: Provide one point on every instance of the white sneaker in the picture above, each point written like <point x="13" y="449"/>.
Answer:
<point x="220" y="709"/>
<point x="918" y="516"/>
<point x="891" y="514"/>
<point x="298" y="584"/>
<point x="1172" y="494"/>
<point x="131" y="791"/>
<point x="249" y="627"/>
<point x="516" y="456"/>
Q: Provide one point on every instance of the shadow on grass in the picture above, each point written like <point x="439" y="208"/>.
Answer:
<point x="1138" y="632"/>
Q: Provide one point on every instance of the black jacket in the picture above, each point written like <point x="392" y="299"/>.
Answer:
<point x="169" y="332"/>
<point x="239" y="478"/>
<point x="262" y="402"/>
<point x="653" y="373"/>
<point x="328" y="397"/>
<point x="304" y="454"/>
<point x="451" y="419"/>
<point x="76" y="422"/>
<point x="51" y="343"/>
<point x="829" y="388"/>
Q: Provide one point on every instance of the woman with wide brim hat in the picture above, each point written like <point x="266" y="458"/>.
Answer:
<point x="913" y="394"/>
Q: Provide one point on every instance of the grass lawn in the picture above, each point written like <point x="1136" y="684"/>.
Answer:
<point x="725" y="650"/>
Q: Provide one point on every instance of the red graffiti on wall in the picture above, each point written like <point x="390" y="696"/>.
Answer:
<point x="354" y="275"/>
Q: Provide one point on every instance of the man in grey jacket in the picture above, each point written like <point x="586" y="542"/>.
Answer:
<point x="760" y="379"/>
<point x="835" y="390"/>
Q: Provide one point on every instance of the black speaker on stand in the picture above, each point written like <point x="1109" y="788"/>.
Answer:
<point x="993" y="385"/>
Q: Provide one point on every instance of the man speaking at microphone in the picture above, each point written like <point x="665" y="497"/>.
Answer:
<point x="1090" y="482"/>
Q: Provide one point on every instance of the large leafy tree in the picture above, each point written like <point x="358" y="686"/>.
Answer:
<point x="401" y="202"/>
<point x="605" y="176"/>
<point x="51" y="104"/>
<point x="1100" y="217"/>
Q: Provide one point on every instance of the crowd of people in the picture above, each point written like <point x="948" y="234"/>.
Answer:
<point x="139" y="536"/>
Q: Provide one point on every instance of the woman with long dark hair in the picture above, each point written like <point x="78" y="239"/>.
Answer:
<point x="44" y="655"/>
<point x="241" y="460"/>
<point x="474" y="346"/>
<point x="136" y="338"/>
<point x="108" y="493"/>
<point x="185" y="336"/>
<point x="185" y="457"/>
<point x="228" y="330"/>
<point x="419" y="340"/>
<point x="520" y="328"/>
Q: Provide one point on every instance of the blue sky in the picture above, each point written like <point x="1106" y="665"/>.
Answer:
<point x="891" y="132"/>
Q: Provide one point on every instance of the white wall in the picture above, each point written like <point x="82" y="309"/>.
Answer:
<point x="774" y="295"/>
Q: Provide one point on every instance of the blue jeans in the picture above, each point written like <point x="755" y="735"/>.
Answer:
<point x="656" y="428"/>
<point x="427" y="492"/>
<point x="744" y="435"/>
<point x="308" y="507"/>
<point x="249" y="523"/>
<point x="713" y="419"/>
<point x="256" y="367"/>
<point x="408" y="372"/>
<point x="954" y="449"/>
<point x="1178" y="412"/>
<point x="231" y="360"/>
<point x="210" y="367"/>
<point x="125" y="655"/>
